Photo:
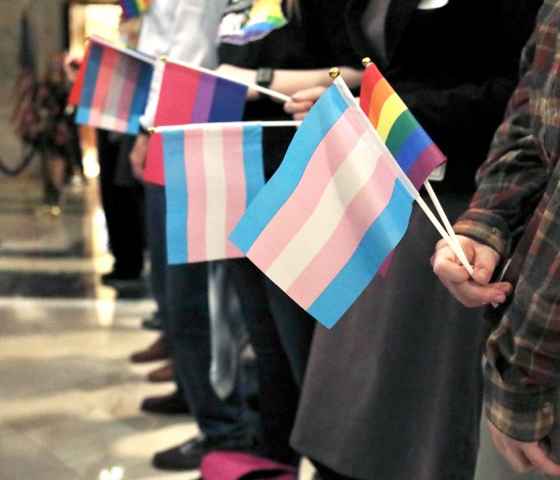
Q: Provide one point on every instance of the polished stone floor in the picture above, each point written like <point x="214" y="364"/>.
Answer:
<point x="68" y="395"/>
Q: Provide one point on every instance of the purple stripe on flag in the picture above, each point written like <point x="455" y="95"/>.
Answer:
<point x="428" y="160"/>
<point x="204" y="99"/>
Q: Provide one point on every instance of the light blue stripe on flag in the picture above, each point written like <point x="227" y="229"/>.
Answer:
<point x="253" y="160"/>
<point x="380" y="239"/>
<point x="175" y="196"/>
<point x="270" y="199"/>
<point x="90" y="81"/>
<point x="412" y="148"/>
<point x="140" y="98"/>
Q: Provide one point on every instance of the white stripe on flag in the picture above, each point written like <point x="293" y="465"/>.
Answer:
<point x="216" y="194"/>
<point x="345" y="184"/>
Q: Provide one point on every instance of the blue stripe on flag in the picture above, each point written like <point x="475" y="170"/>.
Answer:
<point x="411" y="148"/>
<point x="90" y="81"/>
<point x="253" y="160"/>
<point x="175" y="197"/>
<point x="140" y="98"/>
<point x="229" y="101"/>
<point x="278" y="189"/>
<point x="380" y="239"/>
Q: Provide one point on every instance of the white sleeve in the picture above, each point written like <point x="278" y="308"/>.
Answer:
<point x="195" y="31"/>
<point x="191" y="35"/>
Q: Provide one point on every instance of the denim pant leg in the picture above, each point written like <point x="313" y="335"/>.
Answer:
<point x="155" y="220"/>
<point x="278" y="393"/>
<point x="187" y="309"/>
<point x="295" y="327"/>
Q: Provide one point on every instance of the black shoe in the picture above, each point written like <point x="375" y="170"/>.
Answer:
<point x="152" y="323"/>
<point x="189" y="455"/>
<point x="166" y="405"/>
<point x="116" y="278"/>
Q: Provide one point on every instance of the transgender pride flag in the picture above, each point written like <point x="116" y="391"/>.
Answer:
<point x="114" y="85"/>
<point x="189" y="95"/>
<point x="337" y="206"/>
<point x="411" y="146"/>
<point x="212" y="173"/>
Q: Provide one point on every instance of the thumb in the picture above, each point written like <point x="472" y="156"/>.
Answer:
<point x="485" y="261"/>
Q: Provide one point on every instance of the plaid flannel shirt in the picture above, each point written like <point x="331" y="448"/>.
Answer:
<point x="516" y="210"/>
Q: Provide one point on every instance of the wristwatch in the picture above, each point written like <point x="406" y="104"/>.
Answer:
<point x="264" y="77"/>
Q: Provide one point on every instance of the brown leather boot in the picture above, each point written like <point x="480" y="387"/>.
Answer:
<point x="162" y="374"/>
<point x="156" y="351"/>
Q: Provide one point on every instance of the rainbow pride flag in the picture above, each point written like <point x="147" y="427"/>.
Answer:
<point x="337" y="206"/>
<point x="264" y="17"/>
<point x="114" y="88"/>
<point x="212" y="173"/>
<point x="188" y="95"/>
<point x="411" y="146"/>
<point x="134" y="8"/>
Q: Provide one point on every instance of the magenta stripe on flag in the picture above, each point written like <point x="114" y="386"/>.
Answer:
<point x="236" y="188"/>
<point x="362" y="212"/>
<point x="428" y="160"/>
<point x="329" y="155"/>
<point x="204" y="99"/>
<point x="132" y="72"/>
<point x="196" y="186"/>
<point x="109" y="59"/>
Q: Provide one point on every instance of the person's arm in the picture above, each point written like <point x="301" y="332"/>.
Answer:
<point x="289" y="82"/>
<point x="522" y="373"/>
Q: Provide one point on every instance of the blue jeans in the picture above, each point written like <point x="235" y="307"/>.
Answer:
<point x="155" y="222"/>
<point x="181" y="293"/>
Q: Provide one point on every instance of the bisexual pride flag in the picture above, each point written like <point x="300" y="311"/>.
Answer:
<point x="134" y="8"/>
<point x="212" y="173"/>
<point x="264" y="17"/>
<point x="190" y="95"/>
<point x="115" y="84"/>
<point x="411" y="146"/>
<point x="337" y="206"/>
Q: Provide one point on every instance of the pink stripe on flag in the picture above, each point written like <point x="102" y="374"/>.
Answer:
<point x="329" y="155"/>
<point x="362" y="212"/>
<point x="196" y="188"/>
<point x="132" y="69"/>
<point x="236" y="188"/>
<point x="109" y="59"/>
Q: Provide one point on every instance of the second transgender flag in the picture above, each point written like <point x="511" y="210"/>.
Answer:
<point x="212" y="174"/>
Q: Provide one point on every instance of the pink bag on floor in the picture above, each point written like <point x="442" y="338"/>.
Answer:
<point x="223" y="465"/>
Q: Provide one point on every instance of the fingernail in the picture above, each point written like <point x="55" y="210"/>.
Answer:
<point x="500" y="299"/>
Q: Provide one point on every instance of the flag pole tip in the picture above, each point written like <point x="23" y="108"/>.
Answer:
<point x="163" y="58"/>
<point x="334" y="73"/>
<point x="366" y="62"/>
<point x="151" y="130"/>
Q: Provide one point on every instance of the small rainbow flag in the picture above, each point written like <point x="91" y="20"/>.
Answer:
<point x="113" y="88"/>
<point x="134" y="8"/>
<point x="411" y="146"/>
<point x="188" y="95"/>
<point x="212" y="173"/>
<point x="325" y="222"/>
<point x="264" y="17"/>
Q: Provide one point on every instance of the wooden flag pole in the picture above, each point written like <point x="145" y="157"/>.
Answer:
<point x="334" y="74"/>
<point x="253" y="86"/>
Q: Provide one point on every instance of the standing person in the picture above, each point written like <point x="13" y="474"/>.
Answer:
<point x="514" y="214"/>
<point x="294" y="57"/>
<point x="393" y="390"/>
<point x="186" y="31"/>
